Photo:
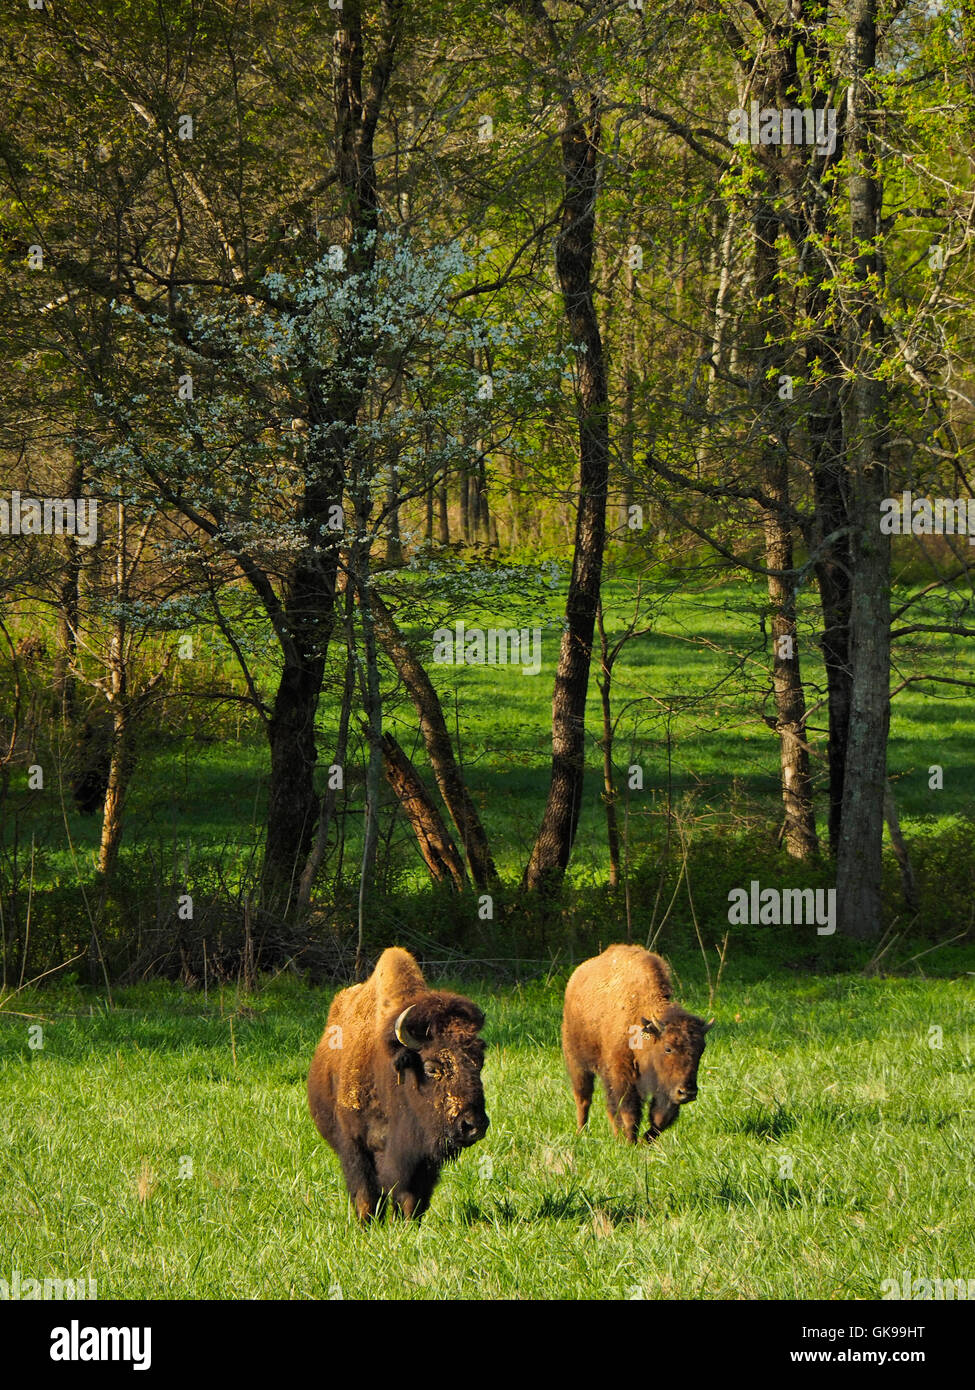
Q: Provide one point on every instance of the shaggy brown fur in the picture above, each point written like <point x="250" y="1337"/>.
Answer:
<point x="619" y="1024"/>
<point x="395" y="1112"/>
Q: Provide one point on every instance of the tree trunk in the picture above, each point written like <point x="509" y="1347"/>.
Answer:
<point x="308" y="618"/>
<point x="833" y="569"/>
<point x="394" y="540"/>
<point x="829" y="536"/>
<point x="317" y="854"/>
<point x="465" y="516"/>
<point x="438" y="849"/>
<point x="775" y="83"/>
<point x="359" y="564"/>
<point x="859" y="860"/>
<point x="428" y="519"/>
<point x="119" y="775"/>
<point x="443" y="517"/>
<point x="579" y="139"/>
<point x="68" y="609"/>
<point x="605" y="682"/>
<point x="440" y="751"/>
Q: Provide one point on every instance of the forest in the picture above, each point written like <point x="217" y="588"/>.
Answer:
<point x="497" y="480"/>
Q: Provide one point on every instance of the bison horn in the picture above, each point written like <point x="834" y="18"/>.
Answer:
<point x="402" y="1034"/>
<point x="708" y="1025"/>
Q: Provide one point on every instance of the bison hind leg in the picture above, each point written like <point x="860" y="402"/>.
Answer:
<point x="582" y="1084"/>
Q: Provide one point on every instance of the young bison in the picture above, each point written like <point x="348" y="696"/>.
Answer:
<point x="395" y="1084"/>
<point x="619" y="1022"/>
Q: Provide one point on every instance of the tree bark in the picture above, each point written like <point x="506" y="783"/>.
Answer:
<point x="776" y="82"/>
<point x="859" y="859"/>
<point x="605" y="683"/>
<point x="317" y="854"/>
<point x="308" y="619"/>
<point x="440" y="751"/>
<point x="438" y="849"/>
<point x="69" y="596"/>
<point x="579" y="139"/>
<point x="119" y="777"/>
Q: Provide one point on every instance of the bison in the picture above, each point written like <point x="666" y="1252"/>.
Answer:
<point x="619" y="1022"/>
<point x="395" y="1084"/>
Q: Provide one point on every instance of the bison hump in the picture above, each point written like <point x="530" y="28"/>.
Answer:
<point x="396" y="980"/>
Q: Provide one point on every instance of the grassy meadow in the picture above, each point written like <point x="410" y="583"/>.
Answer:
<point x="831" y="1147"/>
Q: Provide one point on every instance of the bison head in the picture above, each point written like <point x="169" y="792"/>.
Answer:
<point x="437" y="1054"/>
<point x="672" y="1051"/>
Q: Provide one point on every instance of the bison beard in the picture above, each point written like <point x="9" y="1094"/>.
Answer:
<point x="619" y="1024"/>
<point x="395" y="1085"/>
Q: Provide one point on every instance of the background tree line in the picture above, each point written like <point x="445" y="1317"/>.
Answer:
<point x="345" y="315"/>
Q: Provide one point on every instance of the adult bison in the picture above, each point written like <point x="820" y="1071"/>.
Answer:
<point x="395" y="1084"/>
<point x="619" y="1023"/>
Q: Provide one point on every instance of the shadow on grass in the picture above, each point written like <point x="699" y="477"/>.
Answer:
<point x="769" y="1124"/>
<point x="572" y="1205"/>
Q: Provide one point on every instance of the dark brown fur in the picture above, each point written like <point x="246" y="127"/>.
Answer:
<point x="395" y="1114"/>
<point x="619" y="1024"/>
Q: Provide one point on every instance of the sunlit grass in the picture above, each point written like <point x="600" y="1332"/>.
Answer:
<point x="831" y="1148"/>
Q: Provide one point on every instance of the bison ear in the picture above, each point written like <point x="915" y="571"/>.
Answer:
<point x="469" y="1011"/>
<point x="651" y="1027"/>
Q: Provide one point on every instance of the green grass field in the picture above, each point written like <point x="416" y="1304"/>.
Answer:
<point x="831" y="1148"/>
<point x="160" y="1143"/>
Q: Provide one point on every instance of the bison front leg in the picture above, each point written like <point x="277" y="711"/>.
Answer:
<point x="631" y="1107"/>
<point x="409" y="1205"/>
<point x="623" y="1105"/>
<point x="661" y="1118"/>
<point x="360" y="1179"/>
<point x="412" y="1198"/>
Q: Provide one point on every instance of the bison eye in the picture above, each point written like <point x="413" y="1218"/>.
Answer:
<point x="431" y="1068"/>
<point x="668" y="1049"/>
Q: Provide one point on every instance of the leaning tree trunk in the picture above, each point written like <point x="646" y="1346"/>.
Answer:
<point x="859" y="860"/>
<point x="438" y="849"/>
<point x="573" y="263"/>
<point x="436" y="738"/>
